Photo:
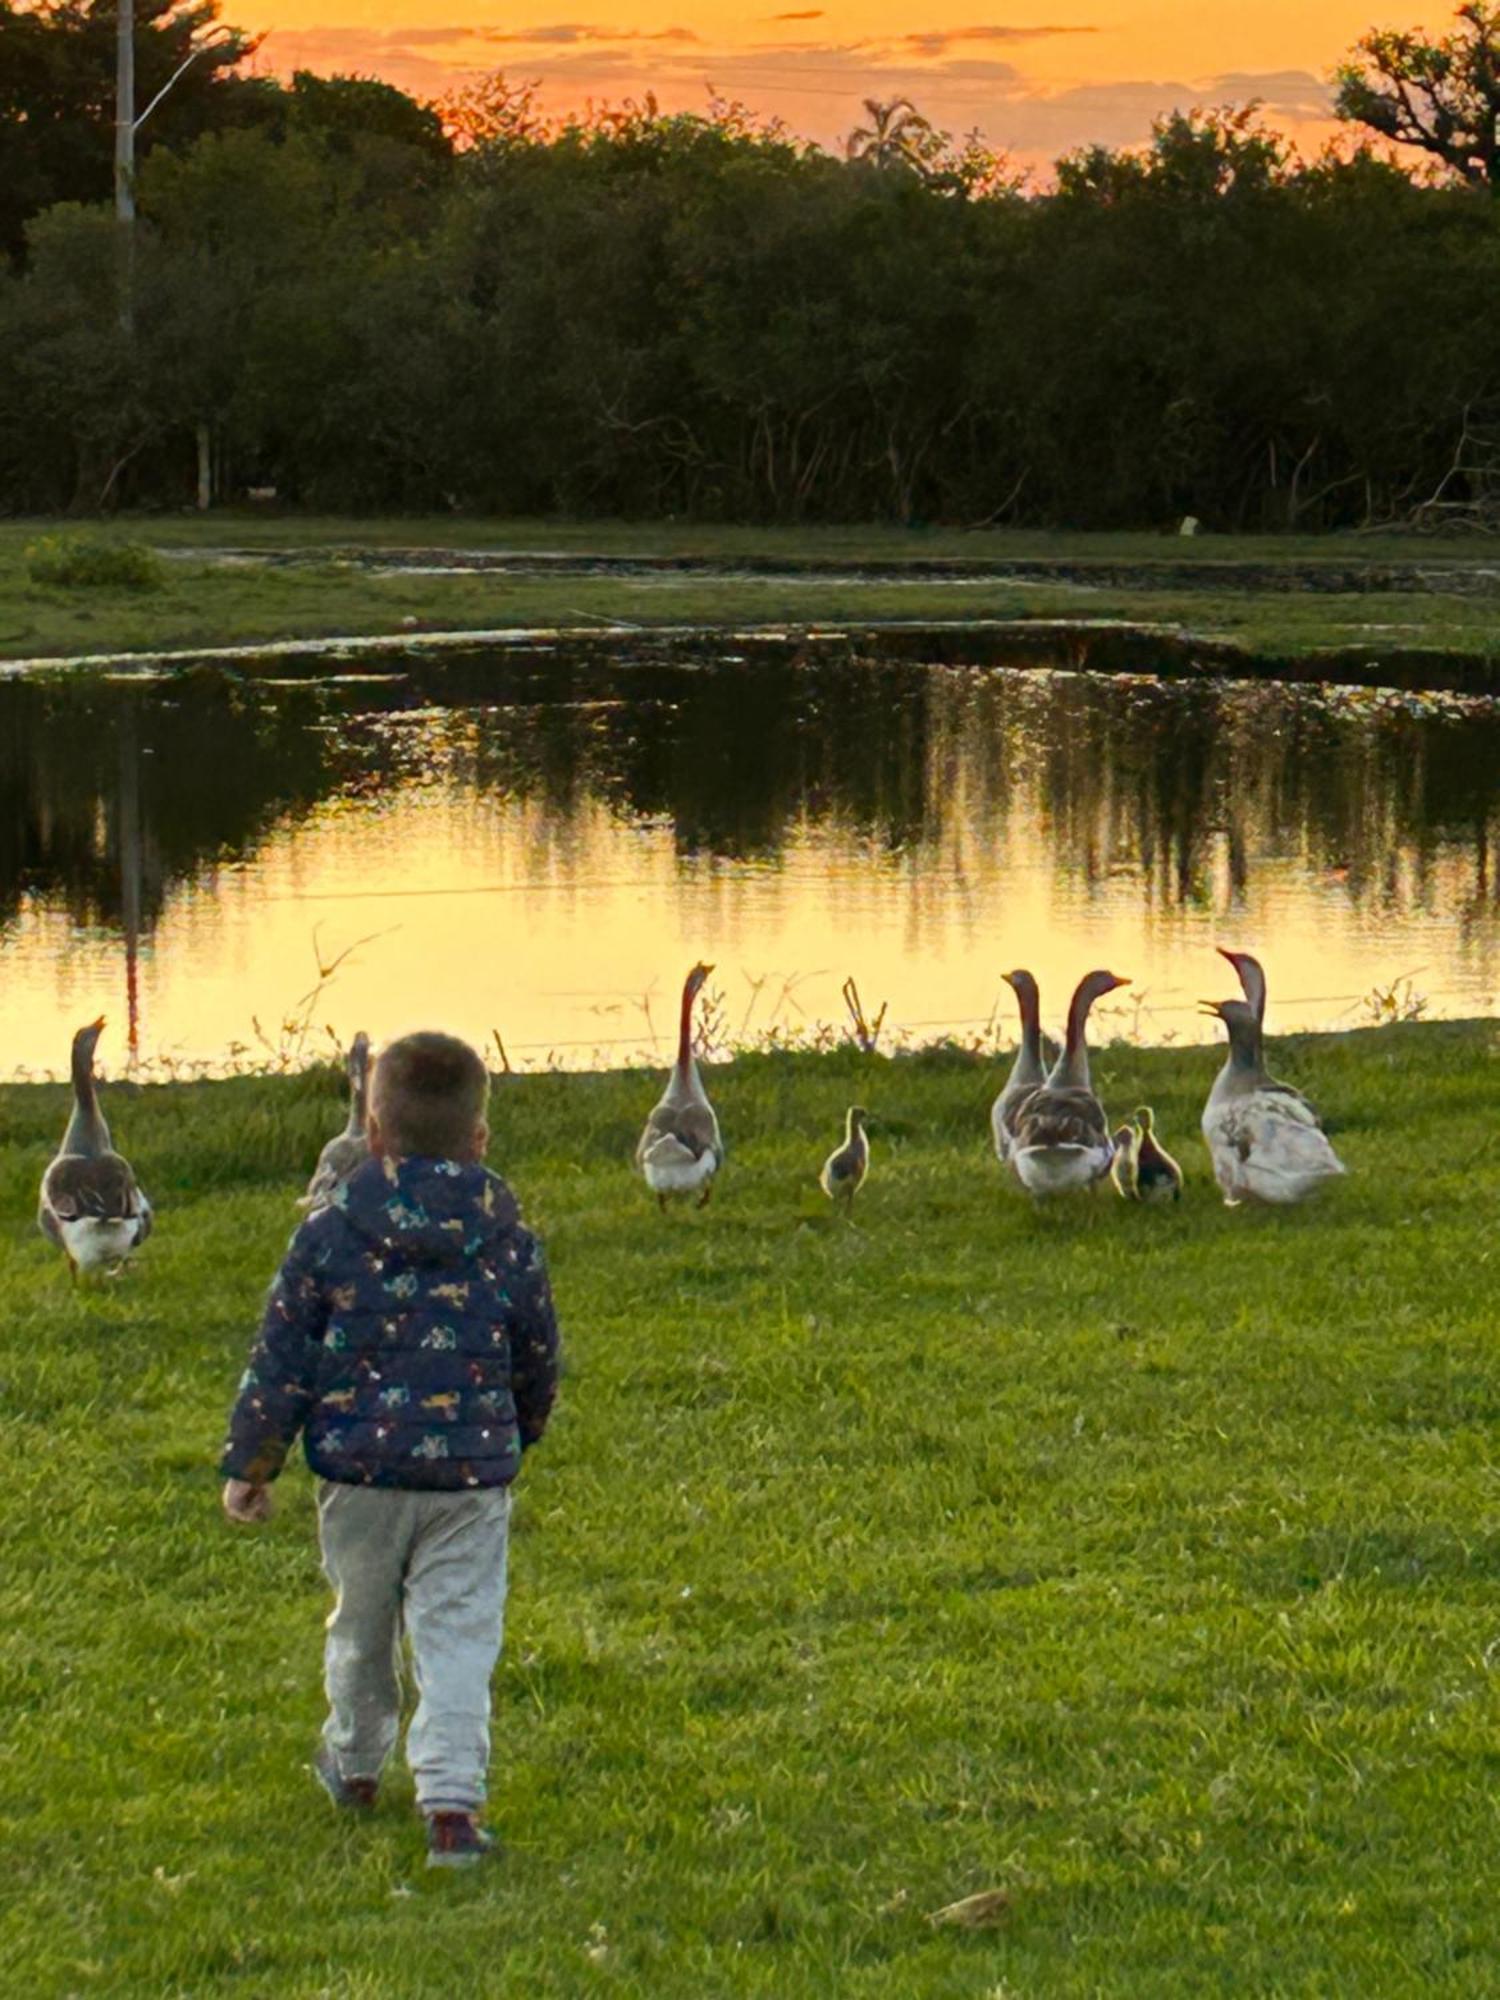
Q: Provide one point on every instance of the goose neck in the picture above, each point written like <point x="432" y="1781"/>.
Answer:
<point x="87" y="1133"/>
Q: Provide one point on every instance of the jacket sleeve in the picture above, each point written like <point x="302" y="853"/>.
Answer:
<point x="276" y="1390"/>
<point x="533" y="1340"/>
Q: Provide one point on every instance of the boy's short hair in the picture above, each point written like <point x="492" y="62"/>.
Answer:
<point x="429" y="1092"/>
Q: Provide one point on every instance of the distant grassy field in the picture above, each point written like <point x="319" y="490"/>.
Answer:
<point x="204" y="604"/>
<point x="1142" y="1565"/>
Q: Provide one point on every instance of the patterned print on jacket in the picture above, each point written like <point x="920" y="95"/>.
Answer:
<point x="409" y="1336"/>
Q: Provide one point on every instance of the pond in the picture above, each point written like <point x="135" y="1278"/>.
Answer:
<point x="537" y="842"/>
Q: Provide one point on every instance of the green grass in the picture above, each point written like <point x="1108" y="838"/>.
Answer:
<point x="203" y="605"/>
<point x="1141" y="1563"/>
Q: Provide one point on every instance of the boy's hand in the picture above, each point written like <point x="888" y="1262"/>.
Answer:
<point x="246" y="1502"/>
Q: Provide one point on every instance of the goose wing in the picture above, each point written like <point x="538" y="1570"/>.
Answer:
<point x="98" y="1188"/>
<point x="1061" y="1117"/>
<point x="1005" y="1115"/>
<point x="1270" y="1145"/>
<point x="692" y="1128"/>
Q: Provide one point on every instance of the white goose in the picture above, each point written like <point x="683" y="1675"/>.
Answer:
<point x="1027" y="1071"/>
<point x="1061" y="1137"/>
<point x="91" y="1205"/>
<point x="680" y="1150"/>
<point x="1263" y="1137"/>
<point x="351" y="1147"/>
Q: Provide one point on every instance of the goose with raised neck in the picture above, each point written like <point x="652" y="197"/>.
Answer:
<point x="90" y="1203"/>
<point x="1062" y="1137"/>
<point x="87" y="1136"/>
<point x="1071" y="1070"/>
<point x="1264" y="1138"/>
<point x="349" y="1149"/>
<point x="680" y="1149"/>
<point x="1028" y="1069"/>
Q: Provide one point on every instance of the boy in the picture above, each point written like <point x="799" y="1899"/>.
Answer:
<point x="410" y="1337"/>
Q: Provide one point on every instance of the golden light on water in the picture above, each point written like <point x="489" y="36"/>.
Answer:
<point x="570" y="936"/>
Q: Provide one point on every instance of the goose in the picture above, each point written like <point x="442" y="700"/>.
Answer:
<point x="1263" y="1137"/>
<point x="91" y="1205"/>
<point x="1158" y="1178"/>
<point x="1027" y="1071"/>
<point x="845" y="1168"/>
<point x="680" y="1150"/>
<point x="1061" y="1138"/>
<point x="1122" y="1166"/>
<point x="351" y="1147"/>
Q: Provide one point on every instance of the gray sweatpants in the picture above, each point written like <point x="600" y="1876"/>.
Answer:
<point x="432" y="1564"/>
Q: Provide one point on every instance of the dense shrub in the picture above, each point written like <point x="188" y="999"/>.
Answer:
<point x="90" y="562"/>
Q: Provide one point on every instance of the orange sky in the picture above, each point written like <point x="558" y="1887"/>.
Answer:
<point x="1038" y="79"/>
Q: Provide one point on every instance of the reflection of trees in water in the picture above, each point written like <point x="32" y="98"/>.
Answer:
<point x="213" y="765"/>
<point x="1158" y="777"/>
<point x="732" y="759"/>
<point x="1164" y="781"/>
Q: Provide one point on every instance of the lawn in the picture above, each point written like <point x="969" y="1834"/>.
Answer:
<point x="205" y="604"/>
<point x="1140" y="1564"/>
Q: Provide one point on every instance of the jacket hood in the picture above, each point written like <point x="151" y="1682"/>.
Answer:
<point x="438" y="1211"/>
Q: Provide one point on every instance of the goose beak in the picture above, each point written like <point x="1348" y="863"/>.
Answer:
<point x="1234" y="957"/>
<point x="1211" y="1007"/>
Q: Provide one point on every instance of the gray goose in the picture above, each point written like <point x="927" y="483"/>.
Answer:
<point x="91" y="1205"/>
<point x="351" y="1147"/>
<point x="1027" y="1071"/>
<point x="845" y="1168"/>
<point x="1062" y="1139"/>
<point x="680" y="1149"/>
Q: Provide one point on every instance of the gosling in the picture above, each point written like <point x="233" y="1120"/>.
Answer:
<point x="845" y="1168"/>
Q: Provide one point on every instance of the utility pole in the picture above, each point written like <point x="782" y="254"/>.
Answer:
<point x="125" y="164"/>
<point x="125" y="120"/>
<point x="126" y="127"/>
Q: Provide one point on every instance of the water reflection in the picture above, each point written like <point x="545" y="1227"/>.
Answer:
<point x="539" y="837"/>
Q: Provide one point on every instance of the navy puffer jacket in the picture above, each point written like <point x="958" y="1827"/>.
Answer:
<point x="409" y="1336"/>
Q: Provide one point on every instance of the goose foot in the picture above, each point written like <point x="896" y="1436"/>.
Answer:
<point x="706" y="1196"/>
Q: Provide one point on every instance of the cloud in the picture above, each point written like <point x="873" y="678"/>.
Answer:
<point x="1288" y="93"/>
<point x="571" y="34"/>
<point x="418" y="38"/>
<point x="933" y="41"/>
<point x="809" y="14"/>
<point x="957" y="77"/>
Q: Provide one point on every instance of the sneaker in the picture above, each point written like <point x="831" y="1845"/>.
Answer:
<point x="456" y="1840"/>
<point x="352" y="1794"/>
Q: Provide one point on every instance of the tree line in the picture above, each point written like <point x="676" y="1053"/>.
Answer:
<point x="358" y="301"/>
